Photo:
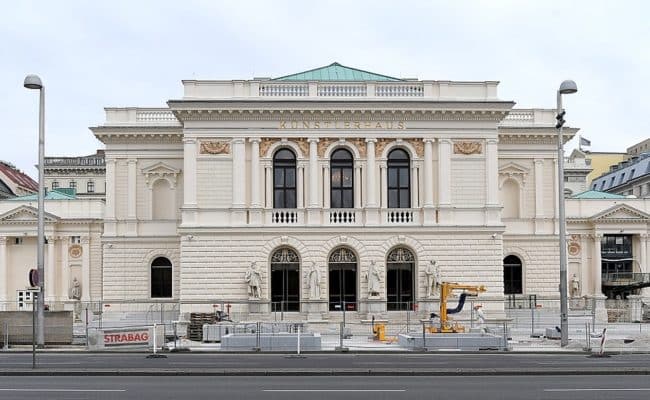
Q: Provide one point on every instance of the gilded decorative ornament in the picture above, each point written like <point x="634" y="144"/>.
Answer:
<point x="304" y="146"/>
<point x="75" y="251"/>
<point x="323" y="144"/>
<point x="265" y="144"/>
<point x="215" y="147"/>
<point x="418" y="144"/>
<point x="468" y="148"/>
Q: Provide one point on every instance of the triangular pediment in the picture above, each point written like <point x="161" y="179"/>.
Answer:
<point x="513" y="168"/>
<point x="25" y="214"/>
<point x="160" y="168"/>
<point x="336" y="72"/>
<point x="621" y="212"/>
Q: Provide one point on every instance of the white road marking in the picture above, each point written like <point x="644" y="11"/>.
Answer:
<point x="599" y="390"/>
<point x="334" y="390"/>
<point x="60" y="390"/>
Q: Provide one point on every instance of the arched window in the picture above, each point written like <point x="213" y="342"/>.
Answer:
<point x="284" y="179"/>
<point x="163" y="203"/>
<point x="400" y="266"/>
<point x="342" y="280"/>
<point x="510" y="199"/>
<point x="341" y="179"/>
<point x="285" y="280"/>
<point x="399" y="179"/>
<point x="161" y="278"/>
<point x="512" y="275"/>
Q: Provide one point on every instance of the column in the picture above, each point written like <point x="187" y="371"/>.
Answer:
<point x="596" y="266"/>
<point x="131" y="181"/>
<point x="300" y="186"/>
<point x="326" y="186"/>
<point x="492" y="171"/>
<point x="383" y="173"/>
<point x="238" y="173"/>
<point x="256" y="201"/>
<point x="643" y="260"/>
<point x="3" y="273"/>
<point x="189" y="172"/>
<point x="313" y="173"/>
<point x="415" y="188"/>
<point x="444" y="172"/>
<point x="539" y="188"/>
<point x="371" y="181"/>
<point x="357" y="186"/>
<point x="428" y="173"/>
<point x="85" y="268"/>
<point x="268" y="170"/>
<point x="109" y="219"/>
<point x="65" y="269"/>
<point x="50" y="276"/>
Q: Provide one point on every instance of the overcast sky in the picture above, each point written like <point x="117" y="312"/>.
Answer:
<point x="94" y="54"/>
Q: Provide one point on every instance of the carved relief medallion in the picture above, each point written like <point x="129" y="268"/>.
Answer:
<point x="75" y="251"/>
<point x="574" y="245"/>
<point x="468" y="148"/>
<point x="216" y="147"/>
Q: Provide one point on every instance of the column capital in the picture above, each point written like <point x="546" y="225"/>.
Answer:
<point x="643" y="235"/>
<point x="492" y="141"/>
<point x="445" y="140"/>
<point x="3" y="240"/>
<point x="538" y="161"/>
<point x="131" y="161"/>
<point x="189" y="140"/>
<point x="382" y="164"/>
<point x="302" y="164"/>
<point x="238" y="140"/>
<point x="255" y="140"/>
<point x="111" y="161"/>
<point x="85" y="239"/>
<point x="312" y="140"/>
<point x="429" y="140"/>
<point x="371" y="140"/>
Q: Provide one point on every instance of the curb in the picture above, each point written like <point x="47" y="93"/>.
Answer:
<point x="327" y="372"/>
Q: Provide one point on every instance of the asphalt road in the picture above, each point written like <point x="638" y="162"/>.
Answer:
<point x="202" y="362"/>
<point x="315" y="388"/>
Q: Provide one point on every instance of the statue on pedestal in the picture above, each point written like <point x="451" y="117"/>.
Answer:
<point x="254" y="280"/>
<point x="313" y="278"/>
<point x="75" y="289"/>
<point x="374" y="279"/>
<point x="575" y="286"/>
<point x="432" y="273"/>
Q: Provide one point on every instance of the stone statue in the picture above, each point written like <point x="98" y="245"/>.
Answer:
<point x="433" y="279"/>
<point x="575" y="286"/>
<point x="254" y="280"/>
<point x="313" y="278"/>
<point x="75" y="289"/>
<point x="373" y="280"/>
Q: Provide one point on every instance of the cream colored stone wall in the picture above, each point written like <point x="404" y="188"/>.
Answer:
<point x="214" y="182"/>
<point x="468" y="181"/>
<point x="540" y="263"/>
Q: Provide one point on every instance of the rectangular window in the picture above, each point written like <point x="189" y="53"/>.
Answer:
<point x="622" y="178"/>
<point x="90" y="187"/>
<point x="73" y="184"/>
<point x="18" y="241"/>
<point x="161" y="282"/>
<point x="55" y="185"/>
<point x="75" y="239"/>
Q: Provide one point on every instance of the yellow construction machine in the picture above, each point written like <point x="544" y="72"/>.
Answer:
<point x="446" y="289"/>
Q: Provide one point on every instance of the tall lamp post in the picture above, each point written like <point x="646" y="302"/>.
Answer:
<point x="34" y="82"/>
<point x="567" y="87"/>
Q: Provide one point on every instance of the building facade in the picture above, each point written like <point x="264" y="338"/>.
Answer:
<point x="630" y="177"/>
<point x="14" y="182"/>
<point x="85" y="175"/>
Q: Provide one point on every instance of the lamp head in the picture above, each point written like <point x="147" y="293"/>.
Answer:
<point x="568" y="87"/>
<point x="33" y="82"/>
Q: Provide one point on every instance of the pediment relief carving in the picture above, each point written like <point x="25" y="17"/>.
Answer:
<point x="621" y="212"/>
<point x="161" y="170"/>
<point x="25" y="214"/>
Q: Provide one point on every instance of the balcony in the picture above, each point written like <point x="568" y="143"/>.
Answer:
<point x="285" y="216"/>
<point x="401" y="216"/>
<point x="343" y="216"/>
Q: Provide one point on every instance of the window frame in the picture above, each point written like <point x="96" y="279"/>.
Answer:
<point x="341" y="196"/>
<point x="284" y="165"/>
<point x="398" y="164"/>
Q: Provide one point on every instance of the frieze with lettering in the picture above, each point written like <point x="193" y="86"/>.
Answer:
<point x="347" y="125"/>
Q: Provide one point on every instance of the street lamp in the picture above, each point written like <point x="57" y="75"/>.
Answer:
<point x="34" y="82"/>
<point x="567" y="87"/>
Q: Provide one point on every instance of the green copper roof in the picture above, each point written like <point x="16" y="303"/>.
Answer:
<point x="336" y="72"/>
<point x="56" y="194"/>
<point x="594" y="194"/>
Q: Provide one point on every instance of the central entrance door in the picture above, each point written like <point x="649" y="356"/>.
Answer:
<point x="285" y="281"/>
<point x="399" y="280"/>
<point x="342" y="280"/>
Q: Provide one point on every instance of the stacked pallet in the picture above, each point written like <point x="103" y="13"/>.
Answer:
<point x="197" y="320"/>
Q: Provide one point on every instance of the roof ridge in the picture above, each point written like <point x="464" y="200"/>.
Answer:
<point x="336" y="64"/>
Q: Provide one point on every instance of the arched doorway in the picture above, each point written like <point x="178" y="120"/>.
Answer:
<point x="285" y="280"/>
<point x="400" y="266"/>
<point x="512" y="275"/>
<point x="161" y="278"/>
<point x="342" y="280"/>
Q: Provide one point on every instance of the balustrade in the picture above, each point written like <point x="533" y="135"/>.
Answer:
<point x="342" y="90"/>
<point x="342" y="216"/>
<point x="400" y="216"/>
<point x="285" y="217"/>
<point x="284" y="90"/>
<point x="399" y="91"/>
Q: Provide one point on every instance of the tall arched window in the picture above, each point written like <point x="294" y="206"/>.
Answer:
<point x="510" y="199"/>
<point x="400" y="266"/>
<point x="284" y="179"/>
<point x="341" y="179"/>
<point x="342" y="280"/>
<point x="285" y="280"/>
<point x="512" y="275"/>
<point x="161" y="277"/>
<point x="399" y="179"/>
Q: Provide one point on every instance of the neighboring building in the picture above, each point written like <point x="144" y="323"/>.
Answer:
<point x="630" y="177"/>
<point x="601" y="162"/>
<point x="639" y="148"/>
<point x="73" y="249"/>
<point x="86" y="175"/>
<point x="576" y="169"/>
<point x="14" y="182"/>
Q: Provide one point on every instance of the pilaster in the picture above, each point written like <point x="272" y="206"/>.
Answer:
<point x="539" y="195"/>
<point x="444" y="181"/>
<point x="85" y="269"/>
<point x="65" y="269"/>
<point x="109" y="220"/>
<point x="643" y="260"/>
<point x="326" y="186"/>
<point x="238" y="212"/>
<point x="50" y="275"/>
<point x="255" y="213"/>
<point x="300" y="185"/>
<point x="268" y="186"/>
<point x="189" y="172"/>
<point x="383" y="173"/>
<point x="357" y="186"/>
<point x="3" y="273"/>
<point x="597" y="265"/>
<point x="131" y="217"/>
<point x="492" y="172"/>
<point x="313" y="212"/>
